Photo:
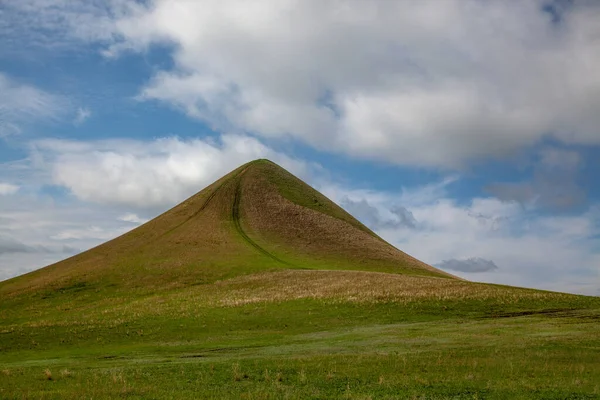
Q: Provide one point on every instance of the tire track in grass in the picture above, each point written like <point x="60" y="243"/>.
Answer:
<point x="235" y="214"/>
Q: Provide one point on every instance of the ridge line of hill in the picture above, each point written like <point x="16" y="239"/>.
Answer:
<point x="235" y="214"/>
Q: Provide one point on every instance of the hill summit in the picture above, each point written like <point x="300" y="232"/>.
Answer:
<point x="258" y="217"/>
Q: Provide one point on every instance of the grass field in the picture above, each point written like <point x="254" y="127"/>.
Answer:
<point x="306" y="334"/>
<point x="261" y="288"/>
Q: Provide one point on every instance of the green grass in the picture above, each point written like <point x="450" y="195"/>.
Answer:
<point x="468" y="359"/>
<point x="186" y="344"/>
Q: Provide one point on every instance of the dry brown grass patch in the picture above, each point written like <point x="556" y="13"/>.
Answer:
<point x="361" y="287"/>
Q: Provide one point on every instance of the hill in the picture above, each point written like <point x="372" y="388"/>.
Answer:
<point x="260" y="287"/>
<point x="258" y="217"/>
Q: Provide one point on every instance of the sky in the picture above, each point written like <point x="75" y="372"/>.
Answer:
<point x="464" y="132"/>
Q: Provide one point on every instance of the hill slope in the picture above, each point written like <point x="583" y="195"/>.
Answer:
<point x="258" y="217"/>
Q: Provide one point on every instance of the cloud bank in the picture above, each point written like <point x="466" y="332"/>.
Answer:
<point x="419" y="82"/>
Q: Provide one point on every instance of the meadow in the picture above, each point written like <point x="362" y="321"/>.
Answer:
<point x="305" y="334"/>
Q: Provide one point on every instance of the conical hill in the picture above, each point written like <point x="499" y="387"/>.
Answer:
<point x="258" y="217"/>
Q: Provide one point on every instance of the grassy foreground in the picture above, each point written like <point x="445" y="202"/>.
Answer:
<point x="300" y="335"/>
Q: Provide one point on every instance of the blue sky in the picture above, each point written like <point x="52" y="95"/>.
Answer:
<point x="463" y="132"/>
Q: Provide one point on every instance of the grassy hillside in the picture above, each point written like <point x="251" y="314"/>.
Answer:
<point x="258" y="217"/>
<point x="259" y="287"/>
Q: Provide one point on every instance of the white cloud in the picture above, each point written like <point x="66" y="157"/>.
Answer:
<point x="21" y="103"/>
<point x="8" y="189"/>
<point x="150" y="175"/>
<point x="82" y="115"/>
<point x="416" y="82"/>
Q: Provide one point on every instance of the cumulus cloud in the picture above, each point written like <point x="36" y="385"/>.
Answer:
<point x="20" y="103"/>
<point x="8" y="189"/>
<point x="415" y="82"/>
<point x="153" y="174"/>
<point x="469" y="265"/>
